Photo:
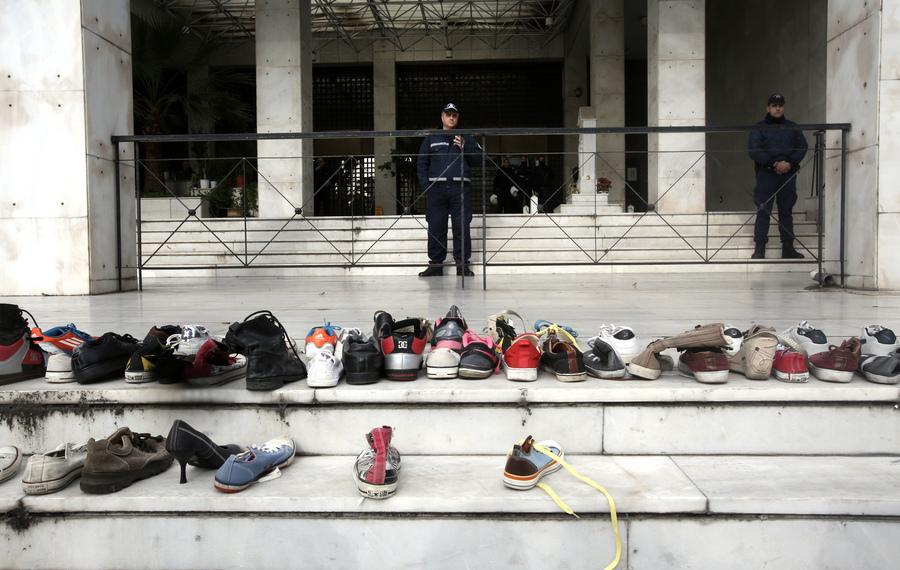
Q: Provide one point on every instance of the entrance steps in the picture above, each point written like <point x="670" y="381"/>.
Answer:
<point x="745" y="474"/>
<point x="510" y="244"/>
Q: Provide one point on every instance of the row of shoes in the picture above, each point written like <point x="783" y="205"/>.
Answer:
<point x="111" y="464"/>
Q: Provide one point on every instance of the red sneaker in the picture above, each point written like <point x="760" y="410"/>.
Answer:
<point x="789" y="365"/>
<point x="522" y="358"/>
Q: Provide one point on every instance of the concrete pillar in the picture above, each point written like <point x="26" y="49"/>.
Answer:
<point x="575" y="79"/>
<point x="284" y="105"/>
<point x="587" y="153"/>
<point x="607" y="60"/>
<point x="863" y="65"/>
<point x="384" y="94"/>
<point x="65" y="89"/>
<point x="676" y="83"/>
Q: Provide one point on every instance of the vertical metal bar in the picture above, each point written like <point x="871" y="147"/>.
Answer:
<point x="843" y="195"/>
<point x="463" y="224"/>
<point x="118" y="189"/>
<point x="483" y="214"/>
<point x="137" y="197"/>
<point x="820" y="172"/>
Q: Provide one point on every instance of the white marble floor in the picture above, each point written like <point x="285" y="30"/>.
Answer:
<point x="653" y="304"/>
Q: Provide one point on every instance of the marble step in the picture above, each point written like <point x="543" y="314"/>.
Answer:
<point x="673" y="414"/>
<point x="453" y="511"/>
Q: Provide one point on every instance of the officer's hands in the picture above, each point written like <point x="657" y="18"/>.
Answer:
<point x="494" y="199"/>
<point x="514" y="191"/>
<point x="458" y="141"/>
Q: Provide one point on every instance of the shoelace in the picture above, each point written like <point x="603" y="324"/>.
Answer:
<point x="174" y="340"/>
<point x="289" y="342"/>
<point x="194" y="331"/>
<point x="612" y="504"/>
<point x="139" y="440"/>
<point x="567" y="334"/>
<point x="328" y="328"/>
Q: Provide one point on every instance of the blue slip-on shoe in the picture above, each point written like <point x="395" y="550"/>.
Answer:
<point x="241" y="471"/>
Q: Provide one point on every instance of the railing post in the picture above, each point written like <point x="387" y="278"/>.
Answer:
<point x="137" y="197"/>
<point x="843" y="195"/>
<point x="820" y="173"/>
<point x="118" y="189"/>
<point x="483" y="214"/>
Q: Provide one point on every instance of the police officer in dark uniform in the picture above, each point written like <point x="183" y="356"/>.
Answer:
<point x="777" y="156"/>
<point x="503" y="182"/>
<point x="443" y="169"/>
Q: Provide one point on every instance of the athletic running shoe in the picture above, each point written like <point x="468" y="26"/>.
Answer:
<point x="449" y="331"/>
<point x="480" y="357"/>
<point x="808" y="339"/>
<point x="878" y="340"/>
<point x="622" y="340"/>
<point x="602" y="361"/>
<point x="60" y="340"/>
<point x="837" y="364"/>
<point x="789" y="365"/>
<point x="377" y="469"/>
<point x="320" y="339"/>
<point x="242" y="470"/>
<point x="403" y="350"/>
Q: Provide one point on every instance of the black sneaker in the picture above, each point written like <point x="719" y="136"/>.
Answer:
<point x="362" y="359"/>
<point x="603" y="361"/>
<point x="403" y="350"/>
<point x="20" y="356"/>
<point x="449" y="331"/>
<point x="103" y="358"/>
<point x="270" y="362"/>
<point x="142" y="364"/>
<point x="563" y="359"/>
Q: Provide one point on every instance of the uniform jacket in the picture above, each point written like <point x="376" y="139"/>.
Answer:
<point x="439" y="159"/>
<point x="768" y="147"/>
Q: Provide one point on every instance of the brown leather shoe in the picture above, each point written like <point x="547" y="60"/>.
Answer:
<point x="115" y="463"/>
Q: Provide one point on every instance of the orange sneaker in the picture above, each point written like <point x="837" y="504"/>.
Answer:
<point x="60" y="339"/>
<point x="321" y="338"/>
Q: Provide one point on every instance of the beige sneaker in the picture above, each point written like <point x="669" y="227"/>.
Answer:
<point x="53" y="471"/>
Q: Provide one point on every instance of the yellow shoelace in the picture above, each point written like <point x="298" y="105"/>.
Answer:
<point x="565" y="507"/>
<point x="561" y="333"/>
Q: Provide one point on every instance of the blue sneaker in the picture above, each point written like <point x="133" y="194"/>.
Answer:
<point x="241" y="471"/>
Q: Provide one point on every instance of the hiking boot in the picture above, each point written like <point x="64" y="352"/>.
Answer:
<point x="788" y="251"/>
<point x="480" y="357"/>
<point x="103" y="358"/>
<point x="142" y="364"/>
<point x="125" y="457"/>
<point x="321" y="339"/>
<point x="881" y="369"/>
<point x="325" y="371"/>
<point x="254" y="465"/>
<point x="707" y="365"/>
<point x="377" y="469"/>
<point x="789" y="365"/>
<point x="525" y="465"/>
<point x="403" y="350"/>
<point x="602" y="361"/>
<point x="760" y="251"/>
<point x="53" y="471"/>
<point x="442" y="363"/>
<point x="270" y="362"/>
<point x="806" y="339"/>
<point x="10" y="461"/>
<point x="562" y="358"/>
<point x="362" y="359"/>
<point x="838" y="364"/>
<point x="647" y="365"/>
<point x="622" y="340"/>
<point x="20" y="356"/>
<point x="449" y="331"/>
<point x="522" y="359"/>
<point x="757" y="351"/>
<point x="877" y="340"/>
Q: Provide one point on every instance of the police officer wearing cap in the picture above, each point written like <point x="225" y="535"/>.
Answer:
<point x="777" y="156"/>
<point x="444" y="165"/>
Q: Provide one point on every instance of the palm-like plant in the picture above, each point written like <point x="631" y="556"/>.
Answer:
<point x="167" y="92"/>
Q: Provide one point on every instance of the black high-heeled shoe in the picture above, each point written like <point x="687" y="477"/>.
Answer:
<point x="188" y="445"/>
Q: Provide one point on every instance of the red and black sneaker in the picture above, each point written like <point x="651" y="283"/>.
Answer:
<point x="20" y="356"/>
<point x="403" y="350"/>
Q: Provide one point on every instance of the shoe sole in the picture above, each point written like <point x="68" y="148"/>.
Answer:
<point x="402" y="367"/>
<point x="224" y="487"/>
<point x="642" y="371"/>
<point x="322" y="382"/>
<point x="524" y="483"/>
<point x="474" y="373"/>
<point x="373" y="491"/>
<point x="271" y="383"/>
<point x="794" y="377"/>
<point x="100" y="483"/>
<point x="60" y="377"/>
<point x="359" y="378"/>
<point x="881" y="379"/>
<point x="566" y="377"/>
<point x="140" y="377"/>
<point x="442" y="372"/>
<point x="714" y="377"/>
<point x="521" y="374"/>
<point x="217" y="380"/>
<point x="46" y="487"/>
<point x="99" y="371"/>
<point x="828" y="375"/>
<point x="597" y="373"/>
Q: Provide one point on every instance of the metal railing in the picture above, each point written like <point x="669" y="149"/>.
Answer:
<point x="359" y="192"/>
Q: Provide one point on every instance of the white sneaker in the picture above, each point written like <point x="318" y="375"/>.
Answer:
<point x="622" y="340"/>
<point x="735" y="339"/>
<point x="878" y="340"/>
<point x="442" y="363"/>
<point x="10" y="460"/>
<point x="51" y="472"/>
<point x="325" y="369"/>
<point x="59" y="368"/>
<point x="192" y="338"/>
<point x="810" y="340"/>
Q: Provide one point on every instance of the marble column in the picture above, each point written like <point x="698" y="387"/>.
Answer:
<point x="384" y="94"/>
<point x="607" y="60"/>
<point x="676" y="83"/>
<point x="65" y="89"/>
<point x="863" y="66"/>
<point x="284" y="105"/>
